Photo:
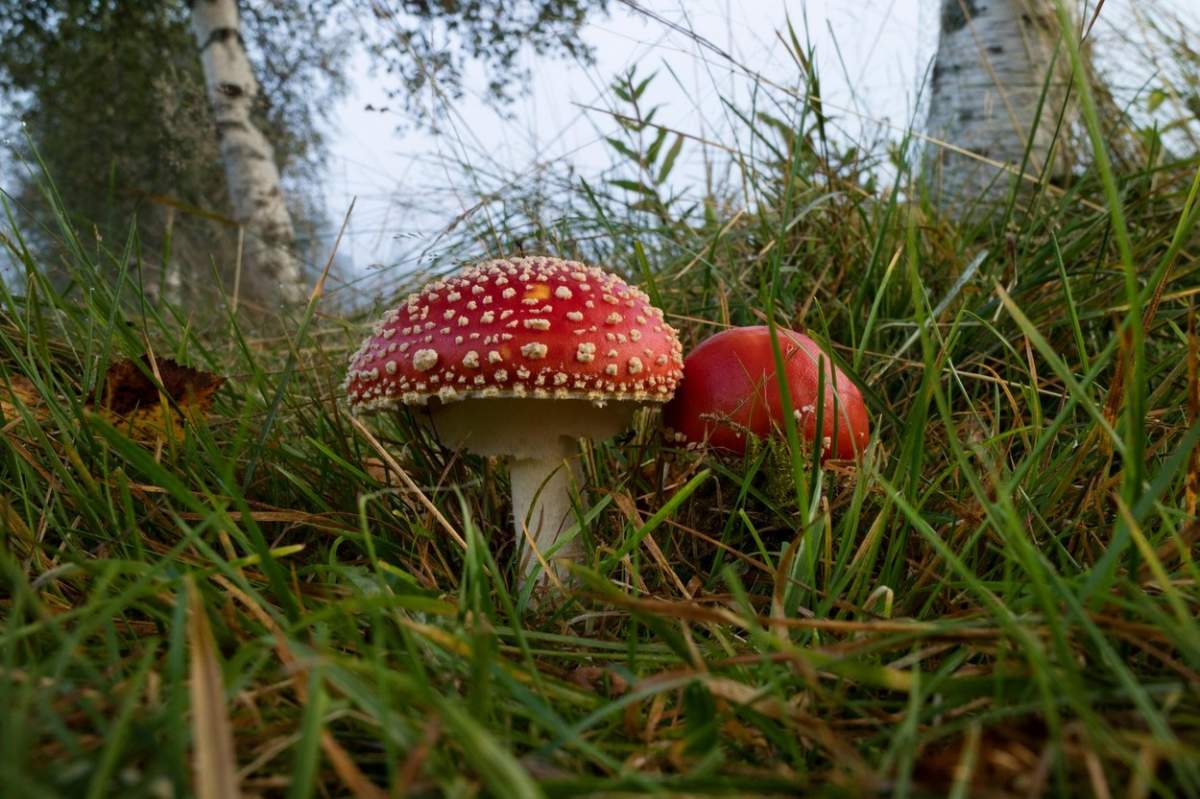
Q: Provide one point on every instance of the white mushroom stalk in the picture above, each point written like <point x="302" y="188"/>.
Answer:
<point x="543" y="512"/>
<point x="541" y="439"/>
<point x="520" y="359"/>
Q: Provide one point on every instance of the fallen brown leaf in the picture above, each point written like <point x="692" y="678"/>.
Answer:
<point x="12" y="525"/>
<point x="378" y="471"/>
<point x="999" y="760"/>
<point x="131" y="401"/>
<point x="599" y="680"/>
<point x="19" y="388"/>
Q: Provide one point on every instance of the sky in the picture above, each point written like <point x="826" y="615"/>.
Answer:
<point x="871" y="55"/>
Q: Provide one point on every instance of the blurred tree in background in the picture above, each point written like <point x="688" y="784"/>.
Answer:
<point x="1002" y="101"/>
<point x="111" y="95"/>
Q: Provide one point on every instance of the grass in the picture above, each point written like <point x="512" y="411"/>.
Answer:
<point x="1000" y="600"/>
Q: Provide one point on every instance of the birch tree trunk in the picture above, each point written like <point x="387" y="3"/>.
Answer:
<point x="272" y="271"/>
<point x="993" y="61"/>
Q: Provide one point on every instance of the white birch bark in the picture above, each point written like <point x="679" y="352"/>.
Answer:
<point x="273" y="271"/>
<point x="991" y="67"/>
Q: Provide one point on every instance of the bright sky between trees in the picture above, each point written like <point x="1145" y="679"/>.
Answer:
<point x="409" y="185"/>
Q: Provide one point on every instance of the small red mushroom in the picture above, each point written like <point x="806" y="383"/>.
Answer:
<point x="730" y="390"/>
<point x="521" y="358"/>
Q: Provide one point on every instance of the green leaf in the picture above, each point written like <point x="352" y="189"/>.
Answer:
<point x="634" y="186"/>
<point x="655" y="146"/>
<point x="641" y="87"/>
<point x="624" y="149"/>
<point x="669" y="161"/>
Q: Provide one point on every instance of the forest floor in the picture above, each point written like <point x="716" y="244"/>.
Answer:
<point x="212" y="579"/>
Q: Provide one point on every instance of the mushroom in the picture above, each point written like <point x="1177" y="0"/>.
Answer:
<point x="521" y="358"/>
<point x="730" y="389"/>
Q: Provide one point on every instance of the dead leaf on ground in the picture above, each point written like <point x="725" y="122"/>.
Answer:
<point x="132" y="402"/>
<point x="129" y="399"/>
<point x="600" y="679"/>
<point x="377" y="470"/>
<point x="1004" y="759"/>
<point x="19" y="389"/>
<point x="12" y="526"/>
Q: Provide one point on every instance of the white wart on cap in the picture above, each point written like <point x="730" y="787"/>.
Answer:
<point x="522" y="327"/>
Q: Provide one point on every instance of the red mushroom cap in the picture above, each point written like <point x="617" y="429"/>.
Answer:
<point x="730" y="388"/>
<point x="522" y="327"/>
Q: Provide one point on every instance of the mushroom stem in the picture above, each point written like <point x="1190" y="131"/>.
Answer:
<point x="541" y="497"/>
